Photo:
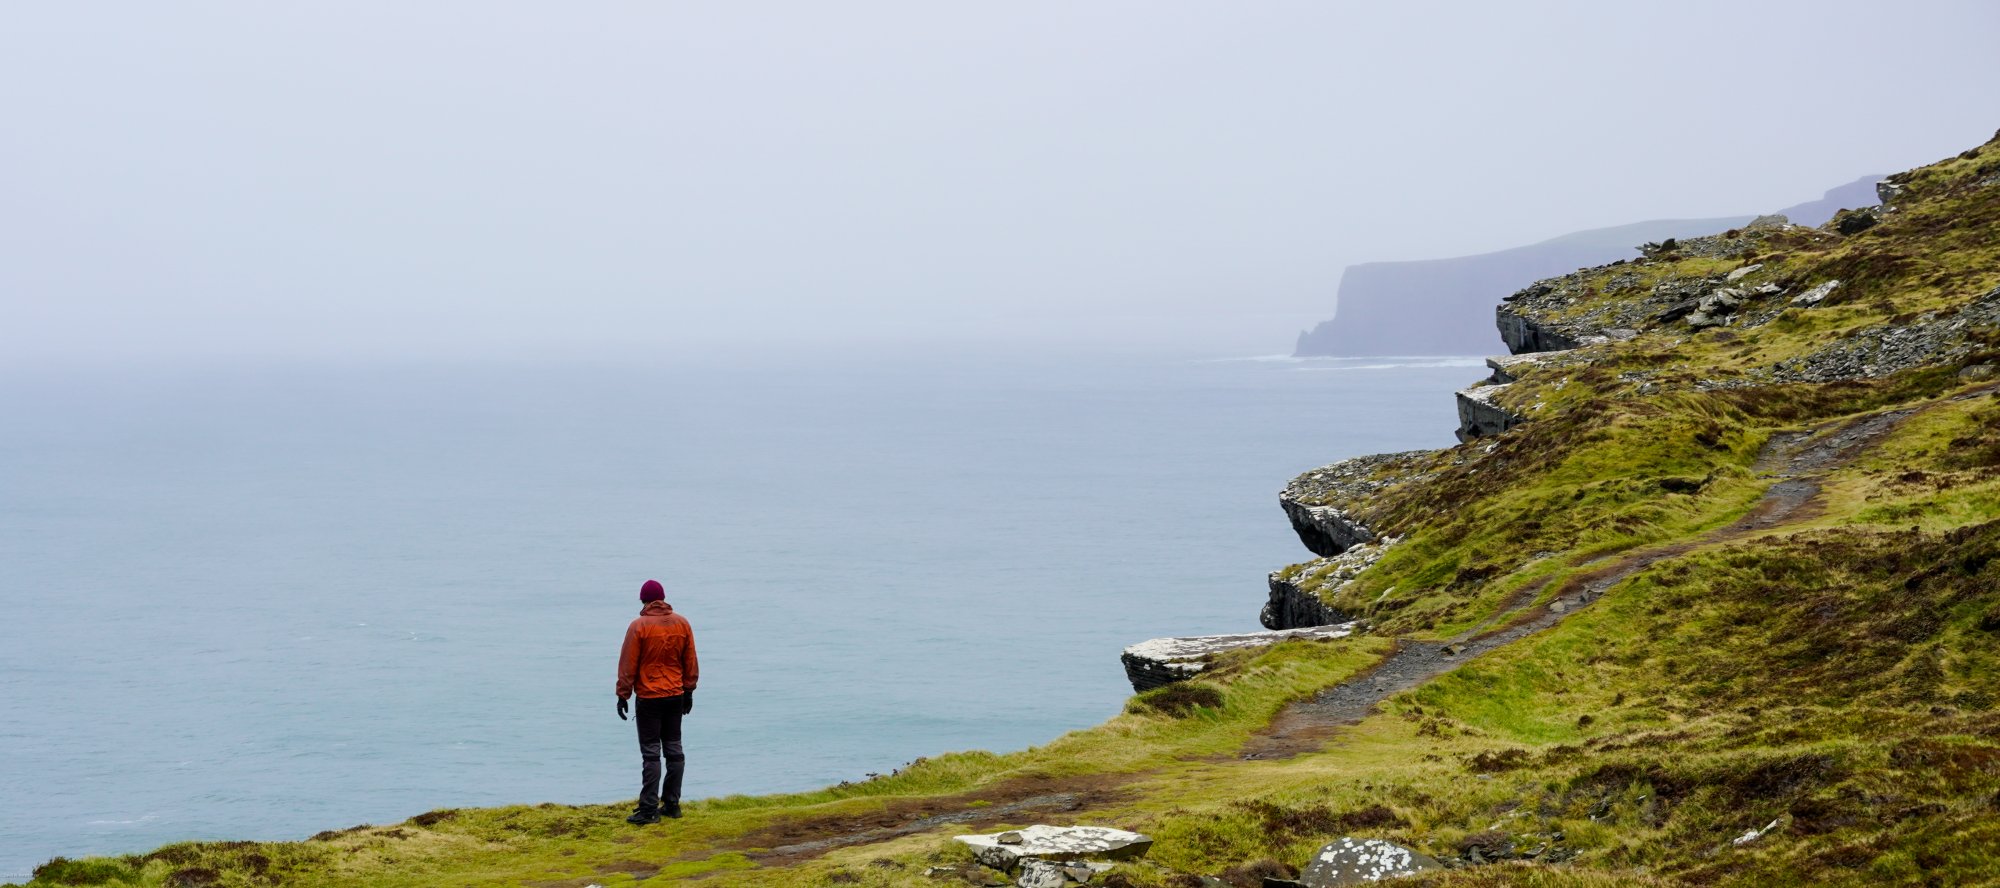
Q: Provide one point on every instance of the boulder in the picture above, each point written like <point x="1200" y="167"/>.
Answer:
<point x="1816" y="295"/>
<point x="1740" y="273"/>
<point x="1702" y="320"/>
<point x="1726" y="297"/>
<point x="1351" y="861"/>
<point x="1851" y="222"/>
<point x="1677" y="310"/>
<point x="1057" y="843"/>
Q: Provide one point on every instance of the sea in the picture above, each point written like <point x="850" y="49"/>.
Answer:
<point x="261" y="600"/>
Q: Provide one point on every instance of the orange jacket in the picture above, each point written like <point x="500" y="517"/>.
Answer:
<point x="658" y="657"/>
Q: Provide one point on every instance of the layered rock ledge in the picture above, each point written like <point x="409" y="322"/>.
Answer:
<point x="1321" y="503"/>
<point x="1508" y="368"/>
<point x="1298" y="593"/>
<point x="1480" y="416"/>
<point x="1150" y="664"/>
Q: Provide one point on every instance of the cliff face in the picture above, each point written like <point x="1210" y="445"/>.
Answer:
<point x="1439" y="306"/>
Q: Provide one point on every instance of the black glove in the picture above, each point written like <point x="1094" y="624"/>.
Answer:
<point x="687" y="701"/>
<point x="622" y="709"/>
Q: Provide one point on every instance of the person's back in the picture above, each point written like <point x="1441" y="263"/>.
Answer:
<point x="657" y="664"/>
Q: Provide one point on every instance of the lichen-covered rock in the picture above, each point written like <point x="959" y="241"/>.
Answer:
<point x="1057" y="843"/>
<point x="1150" y="664"/>
<point x="1816" y="295"/>
<point x="1351" y="861"/>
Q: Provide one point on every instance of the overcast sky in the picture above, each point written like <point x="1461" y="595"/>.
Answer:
<point x="493" y="179"/>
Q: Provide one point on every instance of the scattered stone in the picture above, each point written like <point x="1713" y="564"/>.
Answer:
<point x="1010" y="837"/>
<point x="1891" y="347"/>
<point x="1150" y="664"/>
<point x="1754" y="835"/>
<point x="1677" y="310"/>
<point x="1568" y="311"/>
<point x="1057" y="843"/>
<point x="1351" y="861"/>
<point x="1816" y="295"/>
<point x="1743" y="272"/>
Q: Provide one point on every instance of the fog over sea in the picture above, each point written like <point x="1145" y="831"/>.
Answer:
<point x="256" y="602"/>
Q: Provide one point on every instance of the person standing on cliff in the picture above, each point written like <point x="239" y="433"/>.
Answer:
<point x="658" y="665"/>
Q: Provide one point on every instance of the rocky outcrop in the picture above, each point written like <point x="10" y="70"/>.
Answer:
<point x="1616" y="301"/>
<point x="1297" y="592"/>
<point x="1320" y="503"/>
<point x="1479" y="416"/>
<point x="1524" y="336"/>
<point x="1508" y="368"/>
<point x="1326" y="530"/>
<point x="1291" y="607"/>
<point x="1150" y="664"/>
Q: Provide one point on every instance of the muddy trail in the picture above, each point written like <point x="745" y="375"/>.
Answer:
<point x="1798" y="459"/>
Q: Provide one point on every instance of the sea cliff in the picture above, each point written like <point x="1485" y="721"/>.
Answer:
<point x="1717" y="603"/>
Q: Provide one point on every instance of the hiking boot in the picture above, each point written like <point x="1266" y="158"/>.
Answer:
<point x="643" y="817"/>
<point x="671" y="809"/>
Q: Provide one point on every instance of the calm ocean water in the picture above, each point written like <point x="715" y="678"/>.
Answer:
<point x="261" y="602"/>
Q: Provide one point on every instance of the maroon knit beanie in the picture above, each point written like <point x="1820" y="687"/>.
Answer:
<point x="652" y="591"/>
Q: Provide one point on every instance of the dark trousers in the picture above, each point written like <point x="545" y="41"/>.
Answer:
<point x="659" y="721"/>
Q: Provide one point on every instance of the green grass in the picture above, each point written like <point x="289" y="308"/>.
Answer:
<point x="516" y="845"/>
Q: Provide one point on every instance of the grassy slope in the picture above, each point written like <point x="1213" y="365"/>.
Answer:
<point x="1836" y="678"/>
